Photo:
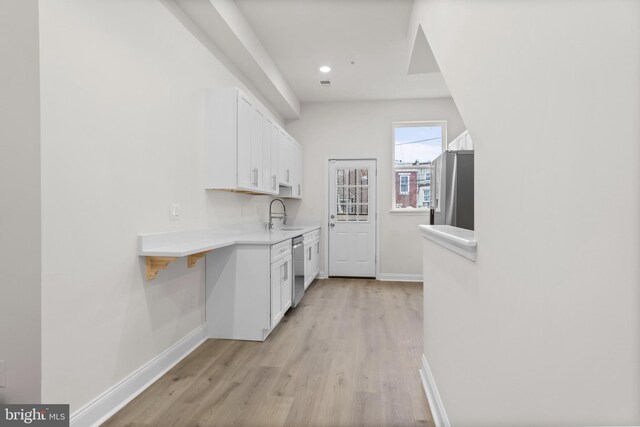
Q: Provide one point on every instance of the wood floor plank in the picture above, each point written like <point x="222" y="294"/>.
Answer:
<point x="347" y="356"/>
<point x="336" y="396"/>
<point x="366" y="409"/>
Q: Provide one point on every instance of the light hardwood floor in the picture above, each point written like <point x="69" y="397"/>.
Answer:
<point x="347" y="356"/>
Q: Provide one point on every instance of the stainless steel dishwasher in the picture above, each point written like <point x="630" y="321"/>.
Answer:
<point x="298" y="270"/>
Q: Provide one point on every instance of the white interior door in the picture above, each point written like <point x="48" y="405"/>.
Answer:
<point x="352" y="218"/>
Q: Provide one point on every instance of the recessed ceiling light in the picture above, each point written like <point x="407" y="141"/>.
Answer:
<point x="325" y="69"/>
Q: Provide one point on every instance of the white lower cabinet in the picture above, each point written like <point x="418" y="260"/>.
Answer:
<point x="248" y="290"/>
<point x="276" y="293"/>
<point x="287" y="285"/>
<point x="311" y="256"/>
<point x="280" y="289"/>
<point x="316" y="258"/>
<point x="308" y="264"/>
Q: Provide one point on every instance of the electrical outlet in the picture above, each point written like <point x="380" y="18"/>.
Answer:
<point x="174" y="211"/>
<point x="3" y="376"/>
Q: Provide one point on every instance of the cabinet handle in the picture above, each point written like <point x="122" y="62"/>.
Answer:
<point x="286" y="270"/>
<point x="298" y="189"/>
<point x="255" y="176"/>
<point x="274" y="178"/>
<point x="287" y="175"/>
<point x="309" y="254"/>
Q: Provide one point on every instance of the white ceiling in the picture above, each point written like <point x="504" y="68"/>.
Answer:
<point x="302" y="35"/>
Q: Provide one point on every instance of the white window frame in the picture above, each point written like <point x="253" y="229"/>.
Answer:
<point x="422" y="123"/>
<point x="404" y="175"/>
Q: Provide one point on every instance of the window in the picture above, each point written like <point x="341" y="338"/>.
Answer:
<point x="352" y="191"/>
<point x="404" y="184"/>
<point x="415" y="145"/>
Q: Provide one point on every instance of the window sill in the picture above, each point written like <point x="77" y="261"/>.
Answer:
<point x="410" y="211"/>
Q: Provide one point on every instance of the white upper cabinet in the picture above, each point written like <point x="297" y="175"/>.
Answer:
<point x="461" y="142"/>
<point x="289" y="166"/>
<point x="256" y="160"/>
<point x="284" y="158"/>
<point x="244" y="143"/>
<point x="270" y="156"/>
<point x="296" y="183"/>
<point x="246" y="150"/>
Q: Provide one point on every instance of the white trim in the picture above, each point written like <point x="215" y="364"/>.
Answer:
<point x="399" y="277"/>
<point x="392" y="148"/>
<point x="458" y="240"/>
<point x="410" y="211"/>
<point x="440" y="418"/>
<point x="322" y="275"/>
<point x="112" y="400"/>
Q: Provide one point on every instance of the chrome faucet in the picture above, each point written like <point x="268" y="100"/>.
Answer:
<point x="282" y="214"/>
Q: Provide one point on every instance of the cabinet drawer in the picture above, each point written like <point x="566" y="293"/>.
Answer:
<point x="280" y="250"/>
<point x="311" y="236"/>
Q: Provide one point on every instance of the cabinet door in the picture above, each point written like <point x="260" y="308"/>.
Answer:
<point x="276" y="290"/>
<point x="274" y="178"/>
<point x="468" y="142"/>
<point x="299" y="166"/>
<point x="308" y="266"/>
<point x="269" y="158"/>
<point x="245" y="126"/>
<point x="284" y="158"/>
<point x="256" y="150"/>
<point x="316" y="258"/>
<point x="296" y="167"/>
<point x="287" y="289"/>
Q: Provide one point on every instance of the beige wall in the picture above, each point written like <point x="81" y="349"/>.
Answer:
<point x="19" y="201"/>
<point x="122" y="139"/>
<point x="545" y="328"/>
<point x="364" y="130"/>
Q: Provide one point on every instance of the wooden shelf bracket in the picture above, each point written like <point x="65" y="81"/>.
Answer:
<point x="193" y="259"/>
<point x="157" y="263"/>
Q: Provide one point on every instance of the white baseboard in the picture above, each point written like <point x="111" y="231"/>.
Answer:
<point x="440" y="418"/>
<point x="108" y="403"/>
<point x="399" y="277"/>
<point x="322" y="275"/>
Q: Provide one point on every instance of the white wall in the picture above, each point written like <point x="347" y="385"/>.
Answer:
<point x="19" y="201"/>
<point x="122" y="128"/>
<point x="364" y="130"/>
<point x="545" y="328"/>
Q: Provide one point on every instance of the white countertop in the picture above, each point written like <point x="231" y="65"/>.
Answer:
<point x="458" y="240"/>
<point x="184" y="243"/>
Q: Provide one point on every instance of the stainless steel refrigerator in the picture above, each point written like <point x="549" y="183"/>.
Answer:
<point x="451" y="194"/>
